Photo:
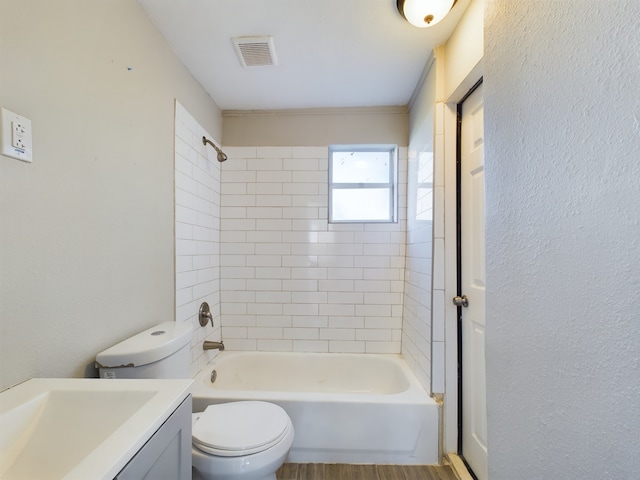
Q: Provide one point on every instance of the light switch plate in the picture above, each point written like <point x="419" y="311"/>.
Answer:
<point x="15" y="136"/>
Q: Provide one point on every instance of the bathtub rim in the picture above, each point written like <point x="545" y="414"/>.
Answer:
<point x="415" y="393"/>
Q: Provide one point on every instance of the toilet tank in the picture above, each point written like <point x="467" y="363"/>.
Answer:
<point x="163" y="351"/>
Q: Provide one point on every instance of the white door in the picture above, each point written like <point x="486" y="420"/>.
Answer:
<point x="474" y="405"/>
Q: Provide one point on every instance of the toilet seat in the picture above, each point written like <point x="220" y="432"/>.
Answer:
<point x="239" y="428"/>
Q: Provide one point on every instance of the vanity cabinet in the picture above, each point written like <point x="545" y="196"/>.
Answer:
<point x="167" y="454"/>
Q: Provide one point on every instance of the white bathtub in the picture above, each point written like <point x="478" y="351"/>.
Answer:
<point x="345" y="408"/>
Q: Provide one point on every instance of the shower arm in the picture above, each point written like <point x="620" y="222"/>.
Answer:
<point x="221" y="155"/>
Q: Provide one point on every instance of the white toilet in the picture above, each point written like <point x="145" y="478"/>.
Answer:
<point x="230" y="441"/>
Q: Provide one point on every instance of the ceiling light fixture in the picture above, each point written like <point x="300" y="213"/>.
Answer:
<point x="424" y="13"/>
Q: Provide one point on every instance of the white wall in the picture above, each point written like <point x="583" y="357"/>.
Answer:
<point x="197" y="233"/>
<point x="462" y="55"/>
<point x="292" y="282"/>
<point x="562" y="110"/>
<point x="87" y="229"/>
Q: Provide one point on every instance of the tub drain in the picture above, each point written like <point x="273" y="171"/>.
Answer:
<point x="214" y="375"/>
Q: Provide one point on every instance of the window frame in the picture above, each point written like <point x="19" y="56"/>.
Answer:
<point x="391" y="185"/>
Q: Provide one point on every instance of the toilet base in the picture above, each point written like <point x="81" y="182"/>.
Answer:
<point x="195" y="475"/>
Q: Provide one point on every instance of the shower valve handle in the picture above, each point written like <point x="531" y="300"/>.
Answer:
<point x="204" y="315"/>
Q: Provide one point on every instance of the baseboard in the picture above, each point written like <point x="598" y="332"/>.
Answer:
<point x="458" y="467"/>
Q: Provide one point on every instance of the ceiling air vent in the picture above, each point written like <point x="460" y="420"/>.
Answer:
<point x="255" y="51"/>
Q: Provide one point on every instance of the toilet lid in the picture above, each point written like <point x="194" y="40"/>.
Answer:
<point x="239" y="428"/>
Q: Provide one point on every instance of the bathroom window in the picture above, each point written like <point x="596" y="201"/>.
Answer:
<point x="362" y="183"/>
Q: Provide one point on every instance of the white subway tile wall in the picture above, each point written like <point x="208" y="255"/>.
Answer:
<point x="416" y="329"/>
<point x="289" y="280"/>
<point x="438" y="296"/>
<point x="252" y="239"/>
<point x="197" y="232"/>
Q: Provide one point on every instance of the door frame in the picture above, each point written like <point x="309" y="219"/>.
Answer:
<point x="459" y="291"/>
<point x="446" y="145"/>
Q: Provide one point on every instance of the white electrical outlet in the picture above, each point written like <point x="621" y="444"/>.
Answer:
<point x="15" y="136"/>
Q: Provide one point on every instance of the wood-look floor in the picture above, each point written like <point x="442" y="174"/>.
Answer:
<point x="322" y="471"/>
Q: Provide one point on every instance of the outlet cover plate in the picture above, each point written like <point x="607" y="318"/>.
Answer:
<point x="15" y="136"/>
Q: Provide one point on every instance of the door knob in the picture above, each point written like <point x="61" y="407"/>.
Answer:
<point x="462" y="301"/>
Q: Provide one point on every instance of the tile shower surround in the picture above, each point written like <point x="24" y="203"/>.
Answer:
<point x="252" y="239"/>
<point x="197" y="198"/>
<point x="290" y="281"/>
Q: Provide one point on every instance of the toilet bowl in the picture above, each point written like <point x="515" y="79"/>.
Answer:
<point x="240" y="440"/>
<point x="230" y="441"/>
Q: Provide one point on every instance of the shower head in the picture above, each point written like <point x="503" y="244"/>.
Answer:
<point x="221" y="155"/>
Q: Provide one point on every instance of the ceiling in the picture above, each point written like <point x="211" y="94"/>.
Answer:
<point x="330" y="53"/>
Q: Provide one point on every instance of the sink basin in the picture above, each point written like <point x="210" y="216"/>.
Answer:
<point x="80" y="428"/>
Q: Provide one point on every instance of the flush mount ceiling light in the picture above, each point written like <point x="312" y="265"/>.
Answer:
<point x="424" y="13"/>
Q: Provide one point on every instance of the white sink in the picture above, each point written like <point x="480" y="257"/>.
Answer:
<point x="80" y="428"/>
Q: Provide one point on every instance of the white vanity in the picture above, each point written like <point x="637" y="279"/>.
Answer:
<point x="98" y="429"/>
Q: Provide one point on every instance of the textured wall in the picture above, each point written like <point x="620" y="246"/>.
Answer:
<point x="562" y="106"/>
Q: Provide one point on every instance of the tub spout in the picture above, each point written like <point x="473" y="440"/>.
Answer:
<point x="208" y="345"/>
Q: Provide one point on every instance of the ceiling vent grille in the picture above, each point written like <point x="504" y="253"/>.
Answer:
<point x="255" y="51"/>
